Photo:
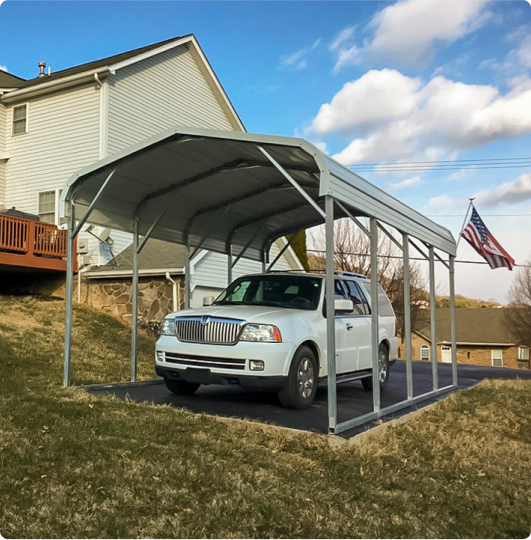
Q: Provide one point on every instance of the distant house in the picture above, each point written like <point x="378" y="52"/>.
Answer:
<point x="59" y="122"/>
<point x="481" y="337"/>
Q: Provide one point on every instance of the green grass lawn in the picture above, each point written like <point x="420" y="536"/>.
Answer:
<point x="75" y="465"/>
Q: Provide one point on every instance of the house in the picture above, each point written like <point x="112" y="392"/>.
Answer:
<point x="481" y="339"/>
<point x="59" y="122"/>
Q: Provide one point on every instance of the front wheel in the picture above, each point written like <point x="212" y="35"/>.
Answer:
<point x="301" y="387"/>
<point x="181" y="387"/>
<point x="383" y="370"/>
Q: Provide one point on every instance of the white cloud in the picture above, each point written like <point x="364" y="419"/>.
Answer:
<point x="389" y="116"/>
<point x="407" y="183"/>
<point x="407" y="31"/>
<point x="3" y="68"/>
<point x="508" y="192"/>
<point x="342" y="37"/>
<point x="462" y="174"/>
<point x="299" y="59"/>
<point x="443" y="203"/>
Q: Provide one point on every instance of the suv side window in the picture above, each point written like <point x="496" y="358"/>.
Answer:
<point x="360" y="302"/>
<point x="339" y="290"/>
<point x="384" y="306"/>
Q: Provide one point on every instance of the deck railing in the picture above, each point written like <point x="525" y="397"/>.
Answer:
<point x="32" y="238"/>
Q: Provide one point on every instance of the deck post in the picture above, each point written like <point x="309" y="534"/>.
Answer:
<point x="69" y="296"/>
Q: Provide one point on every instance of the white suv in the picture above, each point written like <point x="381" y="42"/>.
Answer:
<point x="268" y="331"/>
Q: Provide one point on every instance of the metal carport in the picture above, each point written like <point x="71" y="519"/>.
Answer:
<point x="236" y="193"/>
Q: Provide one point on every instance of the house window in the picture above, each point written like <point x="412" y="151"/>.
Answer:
<point x="47" y="206"/>
<point x="425" y="352"/>
<point x="523" y="353"/>
<point x="20" y="119"/>
<point x="497" y="358"/>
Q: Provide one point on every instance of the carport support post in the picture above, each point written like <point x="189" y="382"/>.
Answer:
<point x="229" y="264"/>
<point x="407" y="316"/>
<point x="330" y="315"/>
<point x="69" y="295"/>
<point x="187" y="273"/>
<point x="433" y="350"/>
<point x="134" y="294"/>
<point x="375" y="334"/>
<point x="452" y="320"/>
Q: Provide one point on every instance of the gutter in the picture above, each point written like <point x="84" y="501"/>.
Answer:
<point x="129" y="273"/>
<point x="57" y="84"/>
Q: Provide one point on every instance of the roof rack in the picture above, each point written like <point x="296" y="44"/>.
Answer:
<point x="351" y="274"/>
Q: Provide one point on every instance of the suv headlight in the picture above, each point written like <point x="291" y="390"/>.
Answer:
<point x="261" y="332"/>
<point x="168" y="327"/>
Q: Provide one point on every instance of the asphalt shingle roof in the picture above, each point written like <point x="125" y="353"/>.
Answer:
<point x="155" y="255"/>
<point x="110" y="60"/>
<point x="10" y="81"/>
<point x="473" y="325"/>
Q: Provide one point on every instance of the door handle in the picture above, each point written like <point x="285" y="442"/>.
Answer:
<point x="349" y="326"/>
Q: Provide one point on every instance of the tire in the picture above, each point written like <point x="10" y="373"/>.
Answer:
<point x="383" y="369"/>
<point x="181" y="387"/>
<point x="301" y="387"/>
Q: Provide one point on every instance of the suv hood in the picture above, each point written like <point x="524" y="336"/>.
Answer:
<point x="258" y="314"/>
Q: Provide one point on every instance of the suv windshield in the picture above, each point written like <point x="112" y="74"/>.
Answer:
<point x="288" y="291"/>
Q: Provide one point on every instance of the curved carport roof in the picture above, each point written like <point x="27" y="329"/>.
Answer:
<point x="228" y="190"/>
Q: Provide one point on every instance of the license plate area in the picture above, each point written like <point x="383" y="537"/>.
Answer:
<point x="196" y="375"/>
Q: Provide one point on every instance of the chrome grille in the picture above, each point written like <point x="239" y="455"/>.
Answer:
<point x="205" y="329"/>
<point x="205" y="361"/>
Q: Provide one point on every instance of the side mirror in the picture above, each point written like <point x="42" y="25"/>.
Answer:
<point x="208" y="300"/>
<point x="340" y="304"/>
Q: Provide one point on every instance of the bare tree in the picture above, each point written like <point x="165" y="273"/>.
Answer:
<point x="352" y="254"/>
<point x="517" y="315"/>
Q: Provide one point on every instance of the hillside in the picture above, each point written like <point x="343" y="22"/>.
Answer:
<point x="76" y="465"/>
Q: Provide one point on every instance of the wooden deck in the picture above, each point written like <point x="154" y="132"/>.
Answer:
<point x="32" y="244"/>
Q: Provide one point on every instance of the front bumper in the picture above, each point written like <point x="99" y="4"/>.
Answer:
<point x="224" y="364"/>
<point x="245" y="381"/>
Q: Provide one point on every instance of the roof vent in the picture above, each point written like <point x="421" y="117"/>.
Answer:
<point x="42" y="67"/>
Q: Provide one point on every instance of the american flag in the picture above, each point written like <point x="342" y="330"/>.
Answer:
<point x="479" y="237"/>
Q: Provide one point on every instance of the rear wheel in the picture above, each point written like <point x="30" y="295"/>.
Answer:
<point x="383" y="370"/>
<point x="300" y="390"/>
<point x="181" y="387"/>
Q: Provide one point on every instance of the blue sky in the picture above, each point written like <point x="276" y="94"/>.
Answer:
<point x="367" y="81"/>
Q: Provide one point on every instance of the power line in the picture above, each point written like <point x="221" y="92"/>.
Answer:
<point x="410" y="258"/>
<point x="445" y="165"/>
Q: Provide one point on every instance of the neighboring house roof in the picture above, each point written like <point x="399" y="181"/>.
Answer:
<point x="90" y="66"/>
<point x="477" y="326"/>
<point x="9" y="81"/>
<point x="156" y="258"/>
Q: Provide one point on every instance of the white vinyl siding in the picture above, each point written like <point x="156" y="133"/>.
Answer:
<point x="497" y="358"/>
<point x="165" y="90"/>
<point x="63" y="138"/>
<point x="3" y="115"/>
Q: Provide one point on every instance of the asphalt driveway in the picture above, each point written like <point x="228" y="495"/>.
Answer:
<point x="353" y="400"/>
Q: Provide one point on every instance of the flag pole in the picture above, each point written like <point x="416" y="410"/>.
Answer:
<point x="464" y="221"/>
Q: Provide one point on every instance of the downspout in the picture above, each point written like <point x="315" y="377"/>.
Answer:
<point x="175" y="292"/>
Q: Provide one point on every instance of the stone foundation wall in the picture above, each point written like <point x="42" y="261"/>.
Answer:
<point x="155" y="296"/>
